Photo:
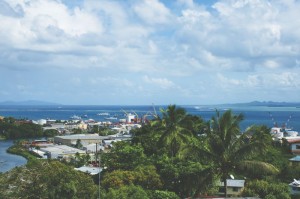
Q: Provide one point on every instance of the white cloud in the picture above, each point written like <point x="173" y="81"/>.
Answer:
<point x="152" y="12"/>
<point x="233" y="44"/>
<point x="163" y="83"/>
<point x="271" y="64"/>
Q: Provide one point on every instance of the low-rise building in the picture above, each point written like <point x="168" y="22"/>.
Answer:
<point x="61" y="152"/>
<point x="85" y="139"/>
<point x="294" y="143"/>
<point x="234" y="187"/>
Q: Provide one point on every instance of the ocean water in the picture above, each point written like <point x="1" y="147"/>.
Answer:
<point x="259" y="115"/>
<point x="7" y="160"/>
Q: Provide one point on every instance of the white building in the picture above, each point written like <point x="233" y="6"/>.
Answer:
<point x="61" y="152"/>
<point x="85" y="139"/>
<point x="234" y="187"/>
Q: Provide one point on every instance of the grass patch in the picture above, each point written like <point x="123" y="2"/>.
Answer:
<point x="18" y="149"/>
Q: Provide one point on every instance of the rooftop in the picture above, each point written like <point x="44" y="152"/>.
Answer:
<point x="62" y="149"/>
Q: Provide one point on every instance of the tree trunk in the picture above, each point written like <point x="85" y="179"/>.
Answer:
<point x="225" y="186"/>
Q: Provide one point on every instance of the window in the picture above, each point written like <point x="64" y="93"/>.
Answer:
<point x="297" y="146"/>
<point x="235" y="189"/>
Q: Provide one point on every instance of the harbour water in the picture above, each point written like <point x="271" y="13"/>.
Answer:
<point x="259" y="115"/>
<point x="7" y="160"/>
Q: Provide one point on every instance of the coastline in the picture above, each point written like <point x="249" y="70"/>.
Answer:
<point x="18" y="149"/>
<point x="10" y="159"/>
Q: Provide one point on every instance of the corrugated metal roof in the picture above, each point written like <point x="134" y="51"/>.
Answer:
<point x="234" y="183"/>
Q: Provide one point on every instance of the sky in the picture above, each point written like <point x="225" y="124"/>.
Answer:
<point x="143" y="52"/>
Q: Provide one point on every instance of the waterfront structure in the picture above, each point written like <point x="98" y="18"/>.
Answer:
<point x="61" y="152"/>
<point x="85" y="139"/>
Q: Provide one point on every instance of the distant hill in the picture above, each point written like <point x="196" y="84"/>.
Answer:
<point x="271" y="104"/>
<point x="28" y="103"/>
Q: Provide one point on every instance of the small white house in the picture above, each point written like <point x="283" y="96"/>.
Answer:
<point x="234" y="187"/>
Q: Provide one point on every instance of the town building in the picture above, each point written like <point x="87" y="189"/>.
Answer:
<point x="85" y="139"/>
<point x="234" y="187"/>
<point x="294" y="143"/>
<point x="61" y="152"/>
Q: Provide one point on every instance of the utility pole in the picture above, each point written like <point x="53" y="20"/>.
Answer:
<point x="99" y="170"/>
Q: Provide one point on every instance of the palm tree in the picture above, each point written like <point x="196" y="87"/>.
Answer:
<point x="173" y="128"/>
<point x="228" y="149"/>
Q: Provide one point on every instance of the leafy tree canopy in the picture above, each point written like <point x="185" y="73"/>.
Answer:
<point x="46" y="179"/>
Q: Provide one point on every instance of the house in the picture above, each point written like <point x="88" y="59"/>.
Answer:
<point x="294" y="143"/>
<point x="234" y="187"/>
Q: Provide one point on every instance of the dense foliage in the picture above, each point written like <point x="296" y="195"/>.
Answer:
<point x="11" y="128"/>
<point x="46" y="179"/>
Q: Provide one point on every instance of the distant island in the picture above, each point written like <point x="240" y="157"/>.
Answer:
<point x="270" y="104"/>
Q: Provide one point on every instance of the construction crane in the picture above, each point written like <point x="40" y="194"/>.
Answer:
<point x="155" y="113"/>
<point x="137" y="117"/>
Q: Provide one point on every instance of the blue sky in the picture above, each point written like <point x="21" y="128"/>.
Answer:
<point x="149" y="51"/>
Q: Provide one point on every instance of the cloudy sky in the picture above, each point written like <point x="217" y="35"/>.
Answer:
<point x="150" y="51"/>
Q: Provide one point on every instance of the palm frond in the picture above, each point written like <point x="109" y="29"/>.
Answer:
<point x="257" y="167"/>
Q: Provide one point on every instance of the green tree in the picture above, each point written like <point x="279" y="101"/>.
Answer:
<point x="50" y="132"/>
<point x="184" y="177"/>
<point x="46" y="179"/>
<point x="265" y="189"/>
<point x="147" y="136"/>
<point x="78" y="144"/>
<point x="123" y="156"/>
<point x="159" y="194"/>
<point x="175" y="133"/>
<point x="228" y="149"/>
<point x="125" y="192"/>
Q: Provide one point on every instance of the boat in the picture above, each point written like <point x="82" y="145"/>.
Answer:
<point x="103" y="114"/>
<point x="75" y="117"/>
